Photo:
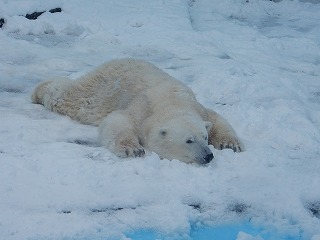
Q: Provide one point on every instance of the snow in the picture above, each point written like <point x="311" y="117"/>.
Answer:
<point x="256" y="62"/>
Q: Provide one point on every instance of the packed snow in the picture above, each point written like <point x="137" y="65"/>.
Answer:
<point x="256" y="62"/>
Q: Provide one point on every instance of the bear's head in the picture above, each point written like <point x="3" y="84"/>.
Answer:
<point x="184" y="138"/>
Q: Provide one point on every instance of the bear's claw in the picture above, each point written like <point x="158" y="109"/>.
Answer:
<point x="139" y="152"/>
<point x="234" y="146"/>
<point x="130" y="151"/>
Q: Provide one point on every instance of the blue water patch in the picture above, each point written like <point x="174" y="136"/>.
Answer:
<point x="225" y="232"/>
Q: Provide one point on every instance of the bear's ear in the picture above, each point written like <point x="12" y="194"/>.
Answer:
<point x="163" y="132"/>
<point x="208" y="125"/>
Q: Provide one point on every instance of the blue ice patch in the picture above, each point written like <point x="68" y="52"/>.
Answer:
<point x="225" y="232"/>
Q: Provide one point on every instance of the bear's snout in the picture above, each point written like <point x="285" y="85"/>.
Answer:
<point x="205" y="157"/>
<point x="208" y="158"/>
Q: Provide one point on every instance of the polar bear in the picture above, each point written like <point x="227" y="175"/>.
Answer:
<point x="137" y="106"/>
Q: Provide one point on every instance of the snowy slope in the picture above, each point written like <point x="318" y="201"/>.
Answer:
<point x="256" y="62"/>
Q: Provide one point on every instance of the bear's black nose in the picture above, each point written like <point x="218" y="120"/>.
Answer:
<point x="209" y="157"/>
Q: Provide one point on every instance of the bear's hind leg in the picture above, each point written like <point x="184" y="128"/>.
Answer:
<point x="117" y="133"/>
<point x="38" y="93"/>
<point x="53" y="94"/>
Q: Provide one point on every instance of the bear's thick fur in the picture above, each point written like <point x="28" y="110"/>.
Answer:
<point x="136" y="105"/>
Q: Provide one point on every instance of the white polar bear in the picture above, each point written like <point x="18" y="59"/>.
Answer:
<point x="139" y="106"/>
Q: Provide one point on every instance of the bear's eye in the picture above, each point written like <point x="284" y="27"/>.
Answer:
<point x="206" y="138"/>
<point x="190" y="140"/>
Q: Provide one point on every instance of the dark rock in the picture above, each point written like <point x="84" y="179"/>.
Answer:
<point x="196" y="206"/>
<point x="238" y="208"/>
<point x="102" y="210"/>
<point x="99" y="210"/>
<point x="314" y="208"/>
<point x="2" y="22"/>
<point x="54" y="10"/>
<point x="34" y="16"/>
<point x="66" y="211"/>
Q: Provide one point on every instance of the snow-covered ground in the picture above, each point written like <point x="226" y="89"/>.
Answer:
<point x="256" y="62"/>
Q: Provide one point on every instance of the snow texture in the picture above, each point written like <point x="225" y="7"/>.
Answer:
<point x="256" y="62"/>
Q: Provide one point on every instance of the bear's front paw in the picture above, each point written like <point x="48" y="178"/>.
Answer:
<point x="129" y="150"/>
<point x="234" y="146"/>
<point x="230" y="142"/>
